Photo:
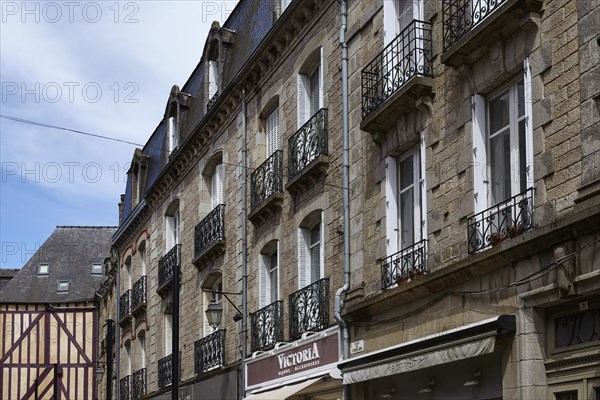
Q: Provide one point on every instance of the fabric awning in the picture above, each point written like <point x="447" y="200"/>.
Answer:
<point x="458" y="344"/>
<point x="283" y="392"/>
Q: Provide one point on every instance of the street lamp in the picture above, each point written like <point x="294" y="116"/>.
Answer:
<point x="214" y="314"/>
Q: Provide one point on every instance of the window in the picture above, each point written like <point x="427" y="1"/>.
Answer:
<point x="405" y="200"/>
<point x="213" y="78"/>
<point x="285" y="4"/>
<point x="269" y="274"/>
<point x="172" y="229"/>
<point x="310" y="87"/>
<point x="272" y="127"/>
<point x="142" y="354"/>
<point x="142" y="252"/>
<point x="127" y="358"/>
<point x="168" y="332"/>
<point x="570" y="395"/>
<point x="399" y="14"/>
<point x="217" y="185"/>
<point x="310" y="253"/>
<point x="172" y="134"/>
<point x="503" y="142"/>
<point x="127" y="281"/>
<point x="63" y="286"/>
<point x="97" y="269"/>
<point x="43" y="269"/>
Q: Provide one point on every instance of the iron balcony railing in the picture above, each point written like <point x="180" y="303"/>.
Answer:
<point x="309" y="309"/>
<point x="407" y="56"/>
<point x="138" y="296"/>
<point x="165" y="370"/>
<point x="502" y="221"/>
<point x="404" y="265"/>
<point x="308" y="143"/>
<point x="212" y="101"/>
<point x="125" y="305"/>
<point x="125" y="386"/>
<point x="460" y="16"/>
<point x="266" y="180"/>
<point x="139" y="383"/>
<point x="210" y="230"/>
<point x="209" y="352"/>
<point x="267" y="326"/>
<point x="167" y="264"/>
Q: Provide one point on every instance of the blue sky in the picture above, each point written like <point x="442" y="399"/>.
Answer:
<point x="103" y="67"/>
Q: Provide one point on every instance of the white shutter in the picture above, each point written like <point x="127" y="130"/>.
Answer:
<point x="263" y="281"/>
<point x="527" y="83"/>
<point x="302" y="258"/>
<point x="422" y="189"/>
<point x="302" y="97"/>
<point x="480" y="186"/>
<point x="321" y="77"/>
<point x="390" y="22"/>
<point x="273" y="137"/>
<point x="391" y="204"/>
<point x="278" y="270"/>
<point x="322" y="263"/>
<point x="217" y="186"/>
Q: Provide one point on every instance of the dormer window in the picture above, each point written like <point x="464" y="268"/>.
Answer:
<point x="63" y="286"/>
<point x="213" y="78"/>
<point x="96" y="269"/>
<point x="172" y="134"/>
<point x="43" y="269"/>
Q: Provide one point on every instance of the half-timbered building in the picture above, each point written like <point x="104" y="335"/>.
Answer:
<point x="49" y="318"/>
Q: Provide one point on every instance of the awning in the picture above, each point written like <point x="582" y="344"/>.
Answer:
<point x="283" y="392"/>
<point x="457" y="344"/>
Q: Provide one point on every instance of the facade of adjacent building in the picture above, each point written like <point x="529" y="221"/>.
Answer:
<point x="49" y="318"/>
<point x="473" y="199"/>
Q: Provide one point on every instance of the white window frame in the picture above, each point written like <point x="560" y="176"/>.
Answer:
<point x="305" y="267"/>
<point x="267" y="283"/>
<point x="273" y="132"/>
<point x="43" y="269"/>
<point x="480" y="137"/>
<point x="397" y="14"/>
<point x="97" y="269"/>
<point x="213" y="78"/>
<point x="172" y="134"/>
<point x="217" y="185"/>
<point x="394" y="221"/>
<point x="173" y="230"/>
<point x="305" y="102"/>
<point x="63" y="286"/>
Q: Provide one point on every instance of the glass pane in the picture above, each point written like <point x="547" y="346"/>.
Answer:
<point x="407" y="218"/>
<point x="570" y="395"/>
<point x="314" y="92"/>
<point x="315" y="234"/>
<point x="499" y="177"/>
<point x="522" y="158"/>
<point x="273" y="284"/>
<point x="315" y="263"/>
<point x="521" y="95"/>
<point x="406" y="172"/>
<point x="498" y="113"/>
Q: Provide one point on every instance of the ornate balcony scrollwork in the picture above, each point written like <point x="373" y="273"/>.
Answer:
<point x="209" y="235"/>
<point x="125" y="306"/>
<point x="165" y="269"/>
<point x="266" y="185"/>
<point x="405" y="265"/>
<point x="309" y="309"/>
<point x="139" y="383"/>
<point x="125" y="386"/>
<point x="209" y="352"/>
<point x="165" y="370"/>
<point x="138" y="296"/>
<point x="267" y="326"/>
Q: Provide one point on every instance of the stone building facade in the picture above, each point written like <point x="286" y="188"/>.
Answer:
<point x="474" y="209"/>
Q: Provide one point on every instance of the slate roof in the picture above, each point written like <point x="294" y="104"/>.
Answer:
<point x="69" y="252"/>
<point x="6" y="274"/>
<point x="251" y="20"/>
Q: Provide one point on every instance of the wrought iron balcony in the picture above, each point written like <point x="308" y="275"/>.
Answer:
<point x="125" y="386"/>
<point x="139" y="383"/>
<point x="209" y="352"/>
<point x="404" y="265"/>
<point x="503" y="221"/>
<point x="266" y="184"/>
<point x="309" y="309"/>
<point x="209" y="235"/>
<point x="125" y="306"/>
<point x="469" y="27"/>
<point x="308" y="152"/>
<point x="408" y="56"/>
<point x="138" y="295"/>
<point x="165" y="370"/>
<point x="267" y="326"/>
<point x="166" y="265"/>
<point x="212" y="101"/>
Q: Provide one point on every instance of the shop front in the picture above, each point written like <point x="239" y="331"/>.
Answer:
<point x="304" y="369"/>
<point x="468" y="362"/>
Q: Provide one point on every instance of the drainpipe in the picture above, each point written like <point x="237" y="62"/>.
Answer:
<point x="117" y="329"/>
<point x="244" y="250"/>
<point x="344" y="340"/>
